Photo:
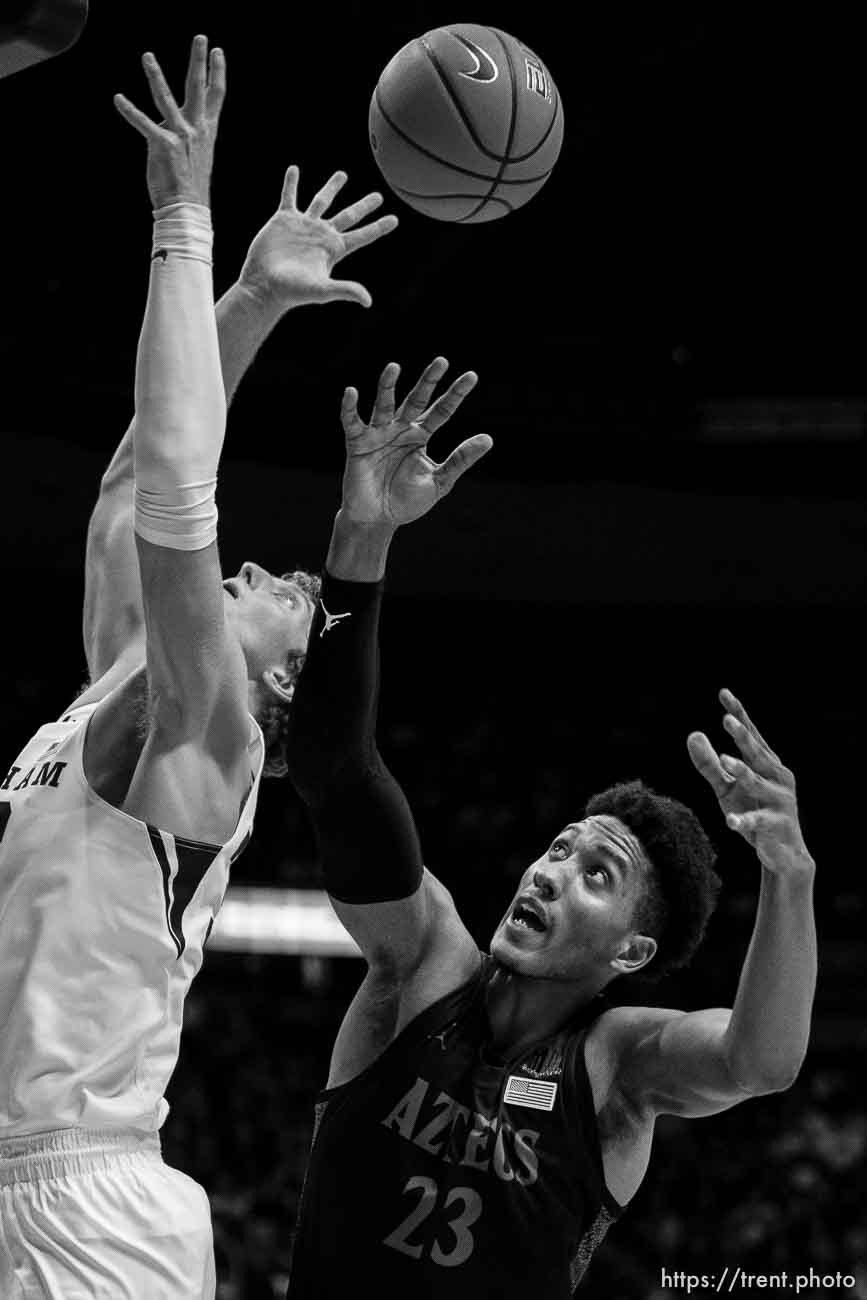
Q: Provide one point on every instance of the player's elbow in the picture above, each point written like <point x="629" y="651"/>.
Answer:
<point x="757" y="1079"/>
<point x="392" y="965"/>
<point x="782" y="1079"/>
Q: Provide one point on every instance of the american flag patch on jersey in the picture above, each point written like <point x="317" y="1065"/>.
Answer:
<point x="539" y="1094"/>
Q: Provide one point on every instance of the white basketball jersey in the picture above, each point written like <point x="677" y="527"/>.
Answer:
<point x="102" y="923"/>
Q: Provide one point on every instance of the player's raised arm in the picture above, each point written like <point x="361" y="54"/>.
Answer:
<point x="289" y="264"/>
<point x="181" y="416"/>
<point x="399" y="914"/>
<point x="699" y="1062"/>
<point x="113" y="614"/>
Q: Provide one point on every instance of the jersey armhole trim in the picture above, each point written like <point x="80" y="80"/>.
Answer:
<point x="411" y="1034"/>
<point x="585" y="1100"/>
<point x="146" y="827"/>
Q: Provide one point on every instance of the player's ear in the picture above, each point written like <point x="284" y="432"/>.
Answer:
<point x="280" y="682"/>
<point x="635" y="951"/>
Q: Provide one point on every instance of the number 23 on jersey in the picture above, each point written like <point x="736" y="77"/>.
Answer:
<point x="451" y="1242"/>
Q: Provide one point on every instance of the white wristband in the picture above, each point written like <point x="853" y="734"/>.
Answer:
<point x="183" y="518"/>
<point x="183" y="230"/>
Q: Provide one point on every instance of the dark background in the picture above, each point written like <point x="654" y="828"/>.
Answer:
<point x="670" y="340"/>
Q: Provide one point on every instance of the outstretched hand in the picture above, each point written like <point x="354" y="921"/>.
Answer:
<point x="389" y="477"/>
<point x="291" y="259"/>
<point x="756" y="792"/>
<point x="181" y="146"/>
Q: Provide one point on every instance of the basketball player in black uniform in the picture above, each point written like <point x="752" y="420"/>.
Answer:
<point x="486" y="1118"/>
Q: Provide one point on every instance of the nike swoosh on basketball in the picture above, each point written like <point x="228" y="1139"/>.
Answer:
<point x="476" y="51"/>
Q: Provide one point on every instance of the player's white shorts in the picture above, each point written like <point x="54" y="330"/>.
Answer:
<point x="98" y="1215"/>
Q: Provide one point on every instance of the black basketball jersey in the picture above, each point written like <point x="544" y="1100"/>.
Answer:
<point x="437" y="1173"/>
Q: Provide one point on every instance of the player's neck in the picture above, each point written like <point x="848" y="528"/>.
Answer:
<point x="523" y="1010"/>
<point x="258" y="699"/>
<point x="254" y="699"/>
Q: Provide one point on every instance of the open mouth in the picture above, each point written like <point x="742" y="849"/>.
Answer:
<point x="527" y="917"/>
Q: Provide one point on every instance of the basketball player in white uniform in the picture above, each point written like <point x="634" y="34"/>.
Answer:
<point x="116" y="839"/>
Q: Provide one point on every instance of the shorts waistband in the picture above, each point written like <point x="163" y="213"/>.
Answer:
<point x="60" y="1152"/>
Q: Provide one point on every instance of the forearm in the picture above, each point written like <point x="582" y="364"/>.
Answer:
<point x="113" y="610"/>
<point x="368" y="843"/>
<point x="180" y="405"/>
<point x="115" y="500"/>
<point x="333" y="717"/>
<point x="332" y="721"/>
<point x="244" y="321"/>
<point x="770" y="1023"/>
<point x="358" y="552"/>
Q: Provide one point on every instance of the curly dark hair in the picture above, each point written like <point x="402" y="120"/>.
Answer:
<point x="274" y="717"/>
<point x="682" y="886"/>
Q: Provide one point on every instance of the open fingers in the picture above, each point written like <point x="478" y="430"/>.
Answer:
<point x="706" y="761"/>
<point x="383" y="410"/>
<point x="325" y="197"/>
<point x="757" y="821"/>
<point x="347" y="291"/>
<point x="462" y="459"/>
<point x="417" y="399"/>
<point x="445" y="406"/>
<point x="747" y="780"/>
<point x="216" y="92"/>
<point x="354" y="239"/>
<point x="357" y="211"/>
<point x="754" y="750"/>
<point x="289" y="196"/>
<point x="162" y="96"/>
<point x="349" y="416"/>
<point x="734" y="706"/>
<point x="197" y="77"/>
<point x="136" y="118"/>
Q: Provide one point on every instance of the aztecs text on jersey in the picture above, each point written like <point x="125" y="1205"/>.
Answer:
<point x="103" y="919"/>
<point x="437" y="1173"/>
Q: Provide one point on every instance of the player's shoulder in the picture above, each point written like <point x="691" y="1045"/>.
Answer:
<point x="615" y="1036"/>
<point x="627" y="1023"/>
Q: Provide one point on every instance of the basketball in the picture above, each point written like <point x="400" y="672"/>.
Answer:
<point x="465" y="123"/>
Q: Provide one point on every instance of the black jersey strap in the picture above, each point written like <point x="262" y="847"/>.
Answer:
<point x="368" y="842"/>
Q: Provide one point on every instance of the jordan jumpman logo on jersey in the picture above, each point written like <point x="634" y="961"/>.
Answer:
<point x="331" y="620"/>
